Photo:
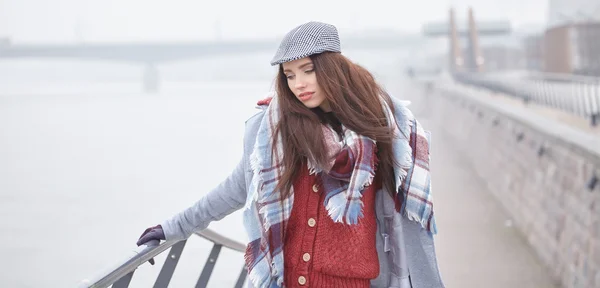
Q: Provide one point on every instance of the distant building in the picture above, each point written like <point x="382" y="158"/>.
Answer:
<point x="573" y="48"/>
<point x="572" y="39"/>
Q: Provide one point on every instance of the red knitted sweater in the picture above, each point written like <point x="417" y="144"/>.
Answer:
<point x="319" y="253"/>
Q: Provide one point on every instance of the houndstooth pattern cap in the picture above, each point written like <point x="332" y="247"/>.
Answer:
<point x="305" y="40"/>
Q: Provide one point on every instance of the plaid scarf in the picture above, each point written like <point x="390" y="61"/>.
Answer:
<point x="266" y="212"/>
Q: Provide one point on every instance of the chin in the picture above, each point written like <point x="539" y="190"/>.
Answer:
<point x="311" y="105"/>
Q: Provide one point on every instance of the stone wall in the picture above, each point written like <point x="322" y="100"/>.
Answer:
<point x="542" y="172"/>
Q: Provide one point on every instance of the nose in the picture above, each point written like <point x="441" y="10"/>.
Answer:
<point x="300" y="83"/>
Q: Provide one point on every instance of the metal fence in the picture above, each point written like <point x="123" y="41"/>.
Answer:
<point x="578" y="95"/>
<point x="120" y="276"/>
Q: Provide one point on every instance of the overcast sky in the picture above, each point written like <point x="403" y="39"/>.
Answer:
<point x="68" y="21"/>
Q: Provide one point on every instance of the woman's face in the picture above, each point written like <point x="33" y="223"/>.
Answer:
<point x="302" y="80"/>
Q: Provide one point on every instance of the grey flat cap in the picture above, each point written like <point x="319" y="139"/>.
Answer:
<point x="305" y="40"/>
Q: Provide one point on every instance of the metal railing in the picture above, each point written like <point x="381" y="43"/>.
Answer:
<point x="121" y="275"/>
<point x="578" y="95"/>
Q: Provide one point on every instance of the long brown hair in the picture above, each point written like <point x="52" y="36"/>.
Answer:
<point x="354" y="97"/>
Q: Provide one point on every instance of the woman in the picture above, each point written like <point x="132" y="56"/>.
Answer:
<point x="334" y="181"/>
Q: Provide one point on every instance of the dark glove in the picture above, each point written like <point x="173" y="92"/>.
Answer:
<point x="155" y="233"/>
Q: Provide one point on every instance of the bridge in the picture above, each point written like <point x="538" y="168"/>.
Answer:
<point x="153" y="54"/>
<point x="165" y="52"/>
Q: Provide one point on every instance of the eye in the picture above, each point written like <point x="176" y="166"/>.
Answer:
<point x="290" y="77"/>
<point x="309" y="70"/>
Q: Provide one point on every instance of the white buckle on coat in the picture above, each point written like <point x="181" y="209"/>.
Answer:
<point x="386" y="242"/>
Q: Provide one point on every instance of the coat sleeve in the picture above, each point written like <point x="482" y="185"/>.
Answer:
<point x="226" y="198"/>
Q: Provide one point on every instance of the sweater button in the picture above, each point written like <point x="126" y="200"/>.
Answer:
<point x="301" y="280"/>
<point x="312" y="222"/>
<point x="315" y="188"/>
<point x="306" y="257"/>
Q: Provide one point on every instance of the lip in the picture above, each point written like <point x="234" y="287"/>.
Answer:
<point x="305" y="96"/>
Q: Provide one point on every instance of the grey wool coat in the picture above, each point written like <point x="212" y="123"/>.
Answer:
<point x="406" y="251"/>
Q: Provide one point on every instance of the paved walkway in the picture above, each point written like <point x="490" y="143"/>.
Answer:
<point x="476" y="246"/>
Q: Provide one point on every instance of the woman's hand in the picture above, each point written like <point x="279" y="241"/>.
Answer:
<point x="155" y="233"/>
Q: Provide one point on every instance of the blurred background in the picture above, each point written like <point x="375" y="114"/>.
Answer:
<point x="115" y="115"/>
